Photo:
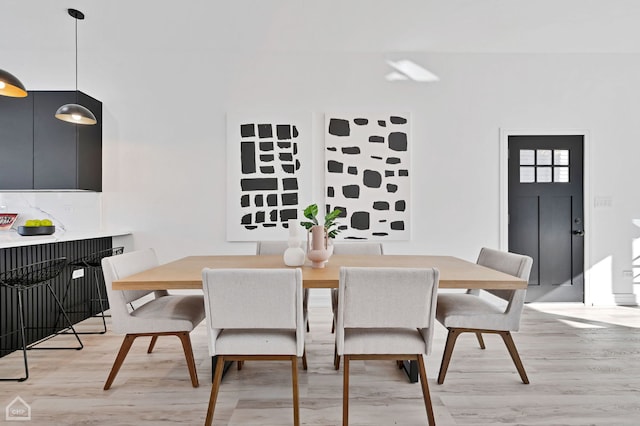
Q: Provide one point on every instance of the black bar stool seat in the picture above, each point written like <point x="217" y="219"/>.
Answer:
<point x="30" y="277"/>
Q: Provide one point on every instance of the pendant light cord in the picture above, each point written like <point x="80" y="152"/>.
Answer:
<point x="76" y="55"/>
<point x="75" y="18"/>
<point x="74" y="112"/>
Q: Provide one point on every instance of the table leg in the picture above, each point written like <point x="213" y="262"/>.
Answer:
<point x="227" y="366"/>
<point x="411" y="368"/>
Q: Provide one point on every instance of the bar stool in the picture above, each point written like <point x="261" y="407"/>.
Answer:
<point x="29" y="277"/>
<point x="92" y="262"/>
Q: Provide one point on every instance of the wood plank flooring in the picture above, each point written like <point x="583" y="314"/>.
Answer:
<point x="583" y="363"/>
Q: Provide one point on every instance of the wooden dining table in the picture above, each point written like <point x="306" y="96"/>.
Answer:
<point x="455" y="273"/>
<point x="186" y="273"/>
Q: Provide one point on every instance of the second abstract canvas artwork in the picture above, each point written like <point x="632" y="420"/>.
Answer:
<point x="366" y="173"/>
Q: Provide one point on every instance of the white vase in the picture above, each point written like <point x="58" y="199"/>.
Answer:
<point x="317" y="246"/>
<point x="293" y="255"/>
<point x="330" y="246"/>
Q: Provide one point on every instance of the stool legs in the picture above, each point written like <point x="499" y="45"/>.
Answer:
<point x="100" y="299"/>
<point x="24" y="343"/>
<point x="53" y="293"/>
<point x="29" y="277"/>
<point x="93" y="262"/>
<point x="69" y="326"/>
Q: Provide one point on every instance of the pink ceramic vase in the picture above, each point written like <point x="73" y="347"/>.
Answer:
<point x="318" y="246"/>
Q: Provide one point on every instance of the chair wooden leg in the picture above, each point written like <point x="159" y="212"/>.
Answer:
<point x="240" y="365"/>
<point x="304" y="359"/>
<point x="425" y="391"/>
<point x="345" y="392"/>
<point x="214" y="390"/>
<point x="336" y="359"/>
<point x="188" y="354"/>
<point x="294" y="384"/>
<point x="333" y="326"/>
<point x="400" y="364"/>
<point x="511" y="347"/>
<point x="152" y="345"/>
<point x="480" y="340"/>
<point x="446" y="356"/>
<point x="122" y="354"/>
<point x="308" y="329"/>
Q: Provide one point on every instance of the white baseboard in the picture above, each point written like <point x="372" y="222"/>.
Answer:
<point x="321" y="298"/>
<point x="625" y="299"/>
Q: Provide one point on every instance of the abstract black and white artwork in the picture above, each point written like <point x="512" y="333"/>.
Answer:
<point x="367" y="174"/>
<point x="268" y="171"/>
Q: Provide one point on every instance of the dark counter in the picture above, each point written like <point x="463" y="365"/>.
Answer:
<point x="40" y="308"/>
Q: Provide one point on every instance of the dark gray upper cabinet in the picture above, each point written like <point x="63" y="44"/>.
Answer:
<point x="16" y="142"/>
<point x="47" y="153"/>
<point x="90" y="147"/>
<point x="54" y="142"/>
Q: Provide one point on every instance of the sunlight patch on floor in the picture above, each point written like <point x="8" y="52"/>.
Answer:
<point x="577" y="324"/>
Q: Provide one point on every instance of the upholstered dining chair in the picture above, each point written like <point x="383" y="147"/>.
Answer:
<point x="254" y="314"/>
<point x="266" y="248"/>
<point x="355" y="248"/>
<point x="471" y="313"/>
<point x="377" y="321"/>
<point x="164" y="315"/>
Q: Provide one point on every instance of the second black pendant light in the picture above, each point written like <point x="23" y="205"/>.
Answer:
<point x="76" y="113"/>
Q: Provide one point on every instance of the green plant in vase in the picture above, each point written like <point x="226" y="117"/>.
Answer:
<point x="319" y="248"/>
<point x="330" y="224"/>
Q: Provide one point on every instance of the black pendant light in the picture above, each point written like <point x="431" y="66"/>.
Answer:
<point x="11" y="86"/>
<point x="76" y="113"/>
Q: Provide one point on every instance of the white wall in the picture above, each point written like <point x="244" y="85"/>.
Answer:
<point x="164" y="132"/>
<point x="166" y="172"/>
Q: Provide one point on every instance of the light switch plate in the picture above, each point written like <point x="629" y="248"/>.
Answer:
<point x="602" y="202"/>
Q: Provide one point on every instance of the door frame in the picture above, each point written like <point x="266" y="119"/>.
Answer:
<point x="586" y="182"/>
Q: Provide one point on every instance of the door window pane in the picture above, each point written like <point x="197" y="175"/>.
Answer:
<point x="527" y="157"/>
<point x="544" y="165"/>
<point x="544" y="157"/>
<point x="527" y="174"/>
<point x="561" y="157"/>
<point x="561" y="174"/>
<point x="543" y="174"/>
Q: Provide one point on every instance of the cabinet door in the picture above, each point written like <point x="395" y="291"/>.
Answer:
<point x="90" y="147"/>
<point x="54" y="142"/>
<point x="16" y="143"/>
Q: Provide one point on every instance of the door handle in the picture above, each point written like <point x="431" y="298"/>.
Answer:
<point x="578" y="233"/>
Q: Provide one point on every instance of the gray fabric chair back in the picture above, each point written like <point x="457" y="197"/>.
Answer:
<point x="358" y="248"/>
<point x="514" y="264"/>
<point x="266" y="248"/>
<point x="510" y="263"/>
<point x="387" y="297"/>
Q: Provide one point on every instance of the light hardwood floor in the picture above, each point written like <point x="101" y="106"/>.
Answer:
<point x="583" y="363"/>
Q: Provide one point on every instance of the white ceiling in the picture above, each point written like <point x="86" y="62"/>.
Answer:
<point x="585" y="26"/>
